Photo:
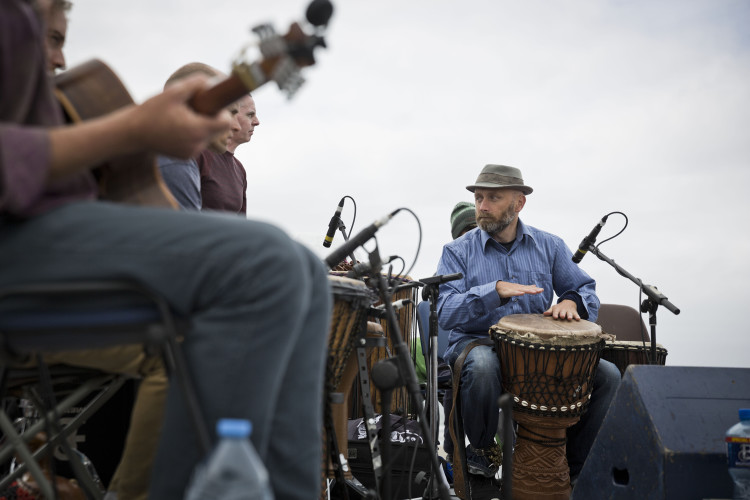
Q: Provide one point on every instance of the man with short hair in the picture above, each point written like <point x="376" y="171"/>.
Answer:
<point x="248" y="120"/>
<point x="57" y="30"/>
<point x="510" y="268"/>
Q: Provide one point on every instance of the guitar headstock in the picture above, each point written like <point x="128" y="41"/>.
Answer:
<point x="281" y="58"/>
<point x="284" y="56"/>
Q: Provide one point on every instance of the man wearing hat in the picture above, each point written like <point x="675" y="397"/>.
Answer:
<point x="511" y="268"/>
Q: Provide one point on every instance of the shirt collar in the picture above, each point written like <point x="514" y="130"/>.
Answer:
<point x="521" y="231"/>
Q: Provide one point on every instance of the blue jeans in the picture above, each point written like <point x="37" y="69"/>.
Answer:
<point x="481" y="385"/>
<point x="258" y="307"/>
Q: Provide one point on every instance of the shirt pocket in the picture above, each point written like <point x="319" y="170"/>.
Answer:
<point x="540" y="302"/>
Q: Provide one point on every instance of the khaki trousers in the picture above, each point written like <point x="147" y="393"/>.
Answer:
<point x="132" y="476"/>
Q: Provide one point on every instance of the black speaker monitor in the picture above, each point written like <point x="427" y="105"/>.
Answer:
<point x="663" y="437"/>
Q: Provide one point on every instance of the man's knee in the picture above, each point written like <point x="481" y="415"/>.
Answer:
<point x="607" y="378"/>
<point x="483" y="361"/>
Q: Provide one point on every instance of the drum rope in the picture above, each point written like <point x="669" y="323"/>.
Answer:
<point x="554" y="381"/>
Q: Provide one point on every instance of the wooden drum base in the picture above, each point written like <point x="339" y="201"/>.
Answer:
<point x="540" y="466"/>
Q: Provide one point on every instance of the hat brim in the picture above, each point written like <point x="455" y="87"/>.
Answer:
<point x="488" y="185"/>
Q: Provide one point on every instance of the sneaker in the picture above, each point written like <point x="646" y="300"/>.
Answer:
<point x="484" y="488"/>
<point x="479" y="465"/>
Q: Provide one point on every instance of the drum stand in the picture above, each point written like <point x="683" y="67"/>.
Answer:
<point x="654" y="300"/>
<point x="393" y="372"/>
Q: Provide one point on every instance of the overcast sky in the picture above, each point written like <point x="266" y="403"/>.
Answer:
<point x="638" y="106"/>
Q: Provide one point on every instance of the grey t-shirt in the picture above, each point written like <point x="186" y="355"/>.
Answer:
<point x="183" y="179"/>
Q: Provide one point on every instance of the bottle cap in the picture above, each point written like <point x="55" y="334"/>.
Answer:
<point x="744" y="413"/>
<point x="233" y="427"/>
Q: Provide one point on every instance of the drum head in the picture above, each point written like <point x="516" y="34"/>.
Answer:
<point x="540" y="328"/>
<point x="635" y="345"/>
<point x="351" y="290"/>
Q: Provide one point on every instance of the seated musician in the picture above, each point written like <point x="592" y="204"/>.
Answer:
<point x="257" y="304"/>
<point x="510" y="268"/>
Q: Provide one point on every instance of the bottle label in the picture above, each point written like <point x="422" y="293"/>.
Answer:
<point x="738" y="451"/>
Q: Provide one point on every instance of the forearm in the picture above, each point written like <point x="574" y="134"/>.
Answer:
<point x="80" y="147"/>
<point x="468" y="310"/>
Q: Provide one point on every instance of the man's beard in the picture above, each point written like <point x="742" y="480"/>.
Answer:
<point x="495" y="226"/>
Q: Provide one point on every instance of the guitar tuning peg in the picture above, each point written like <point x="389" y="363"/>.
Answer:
<point x="287" y="76"/>
<point x="264" y="31"/>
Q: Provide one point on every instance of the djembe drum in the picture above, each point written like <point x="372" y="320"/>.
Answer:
<point x="548" y="367"/>
<point x="407" y="323"/>
<point x="406" y="320"/>
<point x="352" y="300"/>
<point x="624" y="353"/>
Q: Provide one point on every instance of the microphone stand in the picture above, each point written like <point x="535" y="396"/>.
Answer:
<point x="430" y="292"/>
<point x="404" y="374"/>
<point x="654" y="300"/>
<point x="342" y="227"/>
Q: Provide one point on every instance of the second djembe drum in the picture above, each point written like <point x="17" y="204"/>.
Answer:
<point x="624" y="353"/>
<point x="548" y="367"/>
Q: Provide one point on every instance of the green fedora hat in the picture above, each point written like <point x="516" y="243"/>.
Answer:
<point x="500" y="176"/>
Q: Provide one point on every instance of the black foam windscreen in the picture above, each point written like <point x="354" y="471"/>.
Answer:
<point x="663" y="436"/>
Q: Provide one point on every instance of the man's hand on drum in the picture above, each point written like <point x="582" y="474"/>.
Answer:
<point x="565" y="309"/>
<point x="506" y="290"/>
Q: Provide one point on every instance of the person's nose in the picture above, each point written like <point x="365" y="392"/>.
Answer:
<point x="58" y="59"/>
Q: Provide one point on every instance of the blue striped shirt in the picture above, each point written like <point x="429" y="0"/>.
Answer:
<point x="470" y="306"/>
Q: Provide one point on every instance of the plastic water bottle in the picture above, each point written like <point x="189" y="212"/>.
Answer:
<point x="233" y="471"/>
<point x="738" y="454"/>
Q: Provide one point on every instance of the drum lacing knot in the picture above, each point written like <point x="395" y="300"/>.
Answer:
<point x="494" y="453"/>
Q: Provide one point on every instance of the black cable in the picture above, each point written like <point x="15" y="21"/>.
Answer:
<point x="354" y="216"/>
<point x="621" y="230"/>
<point x="419" y="241"/>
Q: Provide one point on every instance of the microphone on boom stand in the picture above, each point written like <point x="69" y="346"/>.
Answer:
<point x="334" y="224"/>
<point x="588" y="241"/>
<point x="357" y="240"/>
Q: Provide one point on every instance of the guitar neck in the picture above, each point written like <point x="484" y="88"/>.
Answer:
<point x="221" y="95"/>
<point x="247" y="77"/>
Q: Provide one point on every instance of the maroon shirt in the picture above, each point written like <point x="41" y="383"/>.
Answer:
<point x="223" y="182"/>
<point x="27" y="109"/>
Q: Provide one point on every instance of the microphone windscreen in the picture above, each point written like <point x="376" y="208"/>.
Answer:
<point x="319" y="12"/>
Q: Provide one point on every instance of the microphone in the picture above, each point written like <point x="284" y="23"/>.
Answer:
<point x="437" y="281"/>
<point x="399" y="304"/>
<point x="361" y="268"/>
<point x="441" y="278"/>
<point x="357" y="240"/>
<point x="319" y="12"/>
<point x="588" y="241"/>
<point x="380" y="312"/>
<point x="334" y="224"/>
